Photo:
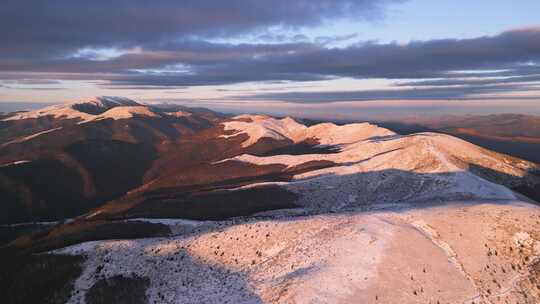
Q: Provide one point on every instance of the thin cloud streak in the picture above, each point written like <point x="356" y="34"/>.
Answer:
<point x="435" y="93"/>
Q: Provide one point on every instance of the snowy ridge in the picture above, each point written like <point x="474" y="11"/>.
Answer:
<point x="107" y="102"/>
<point x="331" y="134"/>
<point x="260" y="126"/>
<point x="422" y="167"/>
<point x="344" y="258"/>
<point x="84" y="110"/>
<point x="374" y="166"/>
<point x="124" y="112"/>
<point x="64" y="111"/>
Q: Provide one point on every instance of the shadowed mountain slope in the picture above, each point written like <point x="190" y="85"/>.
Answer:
<point x="176" y="205"/>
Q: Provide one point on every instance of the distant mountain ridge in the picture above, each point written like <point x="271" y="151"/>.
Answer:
<point x="188" y="205"/>
<point x="514" y="134"/>
<point x="133" y="157"/>
<point x="91" y="157"/>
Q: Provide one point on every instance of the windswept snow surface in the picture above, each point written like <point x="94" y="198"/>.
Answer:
<point x="453" y="253"/>
<point x="247" y="261"/>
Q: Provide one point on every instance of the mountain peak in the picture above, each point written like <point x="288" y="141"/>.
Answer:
<point x="84" y="109"/>
<point x="101" y="104"/>
<point x="259" y="126"/>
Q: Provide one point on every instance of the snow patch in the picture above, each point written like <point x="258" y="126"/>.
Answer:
<point x="179" y="114"/>
<point x="30" y="137"/>
<point x="522" y="238"/>
<point x="15" y="163"/>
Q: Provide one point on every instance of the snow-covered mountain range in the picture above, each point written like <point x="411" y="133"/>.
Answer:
<point x="257" y="209"/>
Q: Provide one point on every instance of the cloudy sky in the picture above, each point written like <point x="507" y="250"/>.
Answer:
<point x="280" y="56"/>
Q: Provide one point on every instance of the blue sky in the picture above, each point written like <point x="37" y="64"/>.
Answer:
<point x="442" y="56"/>
<point x="426" y="20"/>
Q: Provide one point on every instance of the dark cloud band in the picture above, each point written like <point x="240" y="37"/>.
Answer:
<point x="167" y="44"/>
<point x="58" y="27"/>
<point x="470" y="92"/>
